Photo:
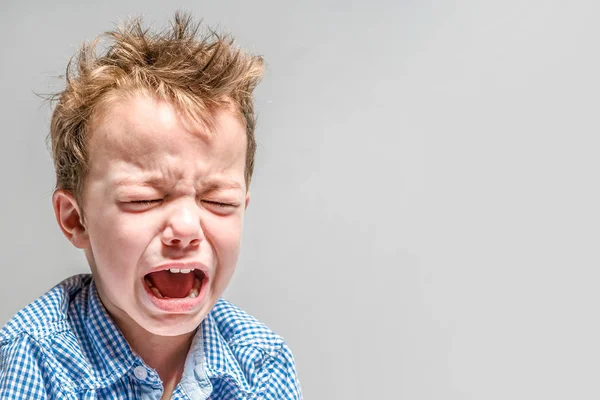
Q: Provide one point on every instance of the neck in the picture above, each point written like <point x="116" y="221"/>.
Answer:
<point x="165" y="354"/>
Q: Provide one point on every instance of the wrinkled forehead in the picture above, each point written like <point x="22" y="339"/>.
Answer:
<point x="136" y="126"/>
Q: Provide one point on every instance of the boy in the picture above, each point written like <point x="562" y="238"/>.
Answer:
<point x="153" y="145"/>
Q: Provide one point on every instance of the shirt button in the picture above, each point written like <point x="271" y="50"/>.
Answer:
<point x="140" y="373"/>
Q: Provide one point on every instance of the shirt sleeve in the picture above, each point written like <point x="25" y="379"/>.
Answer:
<point x="20" y="373"/>
<point x="284" y="382"/>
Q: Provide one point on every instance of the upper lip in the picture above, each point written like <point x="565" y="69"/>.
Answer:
<point x="180" y="265"/>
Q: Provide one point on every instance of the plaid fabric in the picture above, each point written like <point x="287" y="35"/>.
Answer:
<point x="64" y="345"/>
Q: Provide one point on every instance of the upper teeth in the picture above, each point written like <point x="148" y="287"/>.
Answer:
<point x="181" y="271"/>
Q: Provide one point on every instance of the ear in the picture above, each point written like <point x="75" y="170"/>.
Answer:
<point x="247" y="200"/>
<point x="70" y="218"/>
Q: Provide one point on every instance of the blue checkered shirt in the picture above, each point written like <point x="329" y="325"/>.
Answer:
<point x="64" y="345"/>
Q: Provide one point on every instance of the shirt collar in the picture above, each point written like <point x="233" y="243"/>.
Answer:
<point x="209" y="355"/>
<point x="106" y="338"/>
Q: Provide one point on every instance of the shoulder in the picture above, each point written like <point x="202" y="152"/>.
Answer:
<point x="47" y="314"/>
<point x="238" y="327"/>
<point x="27" y="342"/>
<point x="262" y="362"/>
<point x="21" y="369"/>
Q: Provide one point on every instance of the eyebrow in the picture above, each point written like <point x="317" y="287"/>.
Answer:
<point x="216" y="185"/>
<point x="158" y="181"/>
<point x="151" y="180"/>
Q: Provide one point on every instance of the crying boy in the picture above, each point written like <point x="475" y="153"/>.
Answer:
<point x="153" y="145"/>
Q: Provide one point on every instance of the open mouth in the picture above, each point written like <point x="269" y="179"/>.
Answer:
<point x="175" y="283"/>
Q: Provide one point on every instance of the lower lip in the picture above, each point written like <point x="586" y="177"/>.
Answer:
<point x="183" y="305"/>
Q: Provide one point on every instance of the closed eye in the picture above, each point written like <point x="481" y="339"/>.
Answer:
<point x="146" y="202"/>
<point x="219" y="204"/>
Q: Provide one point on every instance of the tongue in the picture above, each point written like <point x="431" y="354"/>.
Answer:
<point x="172" y="285"/>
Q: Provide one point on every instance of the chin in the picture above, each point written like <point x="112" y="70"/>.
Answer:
<point x="173" y="325"/>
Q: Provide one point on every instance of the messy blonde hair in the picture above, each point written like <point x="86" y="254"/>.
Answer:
<point x="198" y="74"/>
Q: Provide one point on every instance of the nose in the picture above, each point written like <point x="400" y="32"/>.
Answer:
<point x="183" y="228"/>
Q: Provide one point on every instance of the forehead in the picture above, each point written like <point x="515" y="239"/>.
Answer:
<point x="141" y="123"/>
<point x="143" y="133"/>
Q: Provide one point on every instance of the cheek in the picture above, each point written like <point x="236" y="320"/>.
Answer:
<point x="118" y="244"/>
<point x="225" y="236"/>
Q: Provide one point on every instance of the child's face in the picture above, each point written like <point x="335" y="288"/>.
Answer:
<point x="160" y="194"/>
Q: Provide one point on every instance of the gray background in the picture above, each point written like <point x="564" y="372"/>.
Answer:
<point x="424" y="221"/>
